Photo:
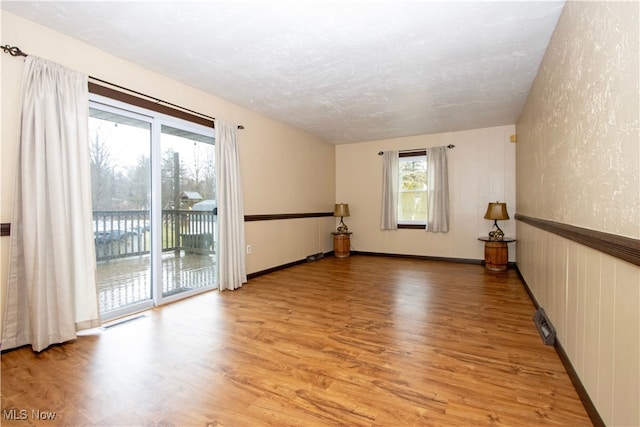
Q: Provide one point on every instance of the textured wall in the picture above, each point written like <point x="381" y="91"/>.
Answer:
<point x="577" y="161"/>
<point x="580" y="125"/>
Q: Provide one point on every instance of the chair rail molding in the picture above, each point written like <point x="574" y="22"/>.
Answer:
<point x="621" y="247"/>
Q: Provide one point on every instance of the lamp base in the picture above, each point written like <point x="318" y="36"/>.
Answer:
<point x="497" y="234"/>
<point x="342" y="228"/>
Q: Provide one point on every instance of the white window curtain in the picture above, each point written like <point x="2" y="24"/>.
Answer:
<point x="232" y="271"/>
<point x="390" y="171"/>
<point x="438" y="190"/>
<point x="51" y="289"/>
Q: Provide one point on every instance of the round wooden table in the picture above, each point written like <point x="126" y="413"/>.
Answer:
<point x="496" y="253"/>
<point x="342" y="244"/>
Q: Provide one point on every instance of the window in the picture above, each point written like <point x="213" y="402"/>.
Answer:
<point x="407" y="200"/>
<point x="412" y="191"/>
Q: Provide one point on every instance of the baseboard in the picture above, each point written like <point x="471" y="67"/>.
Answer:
<point x="429" y="258"/>
<point x="595" y="417"/>
<point x="281" y="267"/>
<point x="421" y="257"/>
<point x="382" y="254"/>
<point x="526" y="288"/>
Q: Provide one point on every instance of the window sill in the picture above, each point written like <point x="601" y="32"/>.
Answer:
<point x="412" y="226"/>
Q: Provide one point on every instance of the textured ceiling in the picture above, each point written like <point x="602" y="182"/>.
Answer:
<point x="346" y="71"/>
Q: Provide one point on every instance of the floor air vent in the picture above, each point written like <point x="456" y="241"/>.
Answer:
<point x="315" y="257"/>
<point x="545" y="328"/>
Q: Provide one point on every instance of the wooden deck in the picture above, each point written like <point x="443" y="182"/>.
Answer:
<point x="126" y="281"/>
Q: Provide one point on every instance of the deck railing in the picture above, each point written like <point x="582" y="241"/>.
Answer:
<point x="126" y="233"/>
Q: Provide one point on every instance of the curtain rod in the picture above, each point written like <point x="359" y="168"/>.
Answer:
<point x="16" y="51"/>
<point x="380" y="153"/>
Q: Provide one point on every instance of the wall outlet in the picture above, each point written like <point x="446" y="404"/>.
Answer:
<point x="248" y="249"/>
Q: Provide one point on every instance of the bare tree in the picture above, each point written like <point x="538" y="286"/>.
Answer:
<point x="138" y="184"/>
<point x="201" y="174"/>
<point x="102" y="168"/>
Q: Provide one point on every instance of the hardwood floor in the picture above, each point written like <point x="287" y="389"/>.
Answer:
<point x="354" y="341"/>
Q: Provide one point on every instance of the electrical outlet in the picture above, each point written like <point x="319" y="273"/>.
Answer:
<point x="248" y="249"/>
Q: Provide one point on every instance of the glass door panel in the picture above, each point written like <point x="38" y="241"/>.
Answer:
<point x="188" y="211"/>
<point x="120" y="148"/>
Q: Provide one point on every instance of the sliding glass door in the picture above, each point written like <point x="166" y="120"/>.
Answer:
<point x="188" y="211"/>
<point x="120" y="152"/>
<point x="153" y="181"/>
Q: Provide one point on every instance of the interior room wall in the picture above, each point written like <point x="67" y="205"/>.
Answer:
<point x="284" y="170"/>
<point x="481" y="169"/>
<point x="578" y="163"/>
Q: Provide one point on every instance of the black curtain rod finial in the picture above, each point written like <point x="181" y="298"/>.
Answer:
<point x="13" y="50"/>
<point x="16" y="51"/>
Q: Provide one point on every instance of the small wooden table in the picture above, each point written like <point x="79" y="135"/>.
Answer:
<point x="496" y="253"/>
<point x="341" y="244"/>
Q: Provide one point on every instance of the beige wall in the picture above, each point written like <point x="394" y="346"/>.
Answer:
<point x="578" y="158"/>
<point x="284" y="170"/>
<point x="481" y="169"/>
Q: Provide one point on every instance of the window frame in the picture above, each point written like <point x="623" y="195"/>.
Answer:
<point x="149" y="106"/>
<point x="405" y="225"/>
<point x="157" y="119"/>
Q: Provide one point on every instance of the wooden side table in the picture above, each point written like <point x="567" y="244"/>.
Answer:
<point x="341" y="244"/>
<point x="496" y="253"/>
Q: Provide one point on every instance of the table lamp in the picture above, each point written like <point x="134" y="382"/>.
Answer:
<point x="497" y="212"/>
<point x="341" y="210"/>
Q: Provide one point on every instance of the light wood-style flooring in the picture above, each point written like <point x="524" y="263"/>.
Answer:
<point x="359" y="341"/>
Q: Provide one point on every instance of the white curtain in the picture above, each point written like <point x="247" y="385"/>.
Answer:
<point x="438" y="190"/>
<point x="52" y="289"/>
<point x="232" y="271"/>
<point x="390" y="171"/>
